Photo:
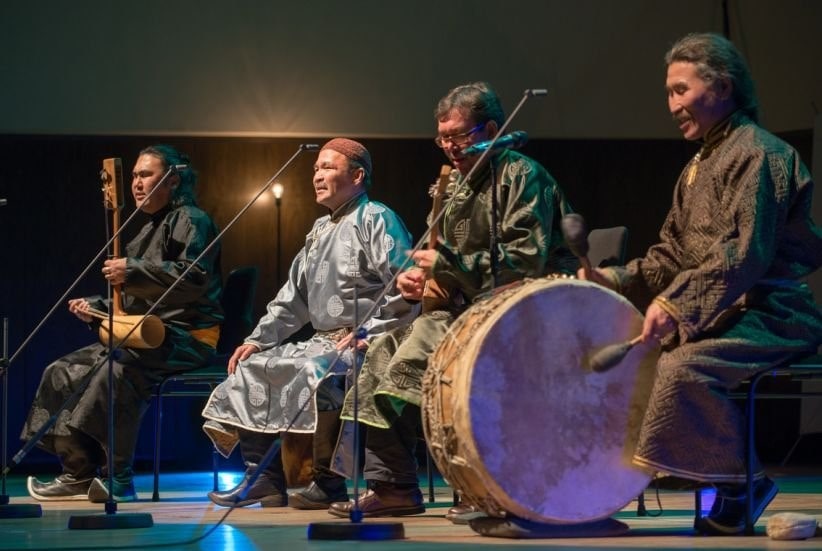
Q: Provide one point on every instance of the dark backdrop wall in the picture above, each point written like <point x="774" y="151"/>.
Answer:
<point x="54" y="224"/>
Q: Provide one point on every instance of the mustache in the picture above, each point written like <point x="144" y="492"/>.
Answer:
<point x="680" y="117"/>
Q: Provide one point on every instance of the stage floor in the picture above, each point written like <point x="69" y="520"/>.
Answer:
<point x="185" y="514"/>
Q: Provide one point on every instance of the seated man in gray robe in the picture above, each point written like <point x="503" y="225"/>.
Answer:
<point x="354" y="251"/>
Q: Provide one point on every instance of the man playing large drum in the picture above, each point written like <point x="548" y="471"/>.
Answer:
<point x="530" y="244"/>
<point x="723" y="286"/>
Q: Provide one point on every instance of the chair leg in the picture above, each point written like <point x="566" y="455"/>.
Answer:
<point x="215" y="457"/>
<point x="697" y="507"/>
<point x="429" y="468"/>
<point x="641" y="511"/>
<point x="749" y="453"/>
<point x="158" y="416"/>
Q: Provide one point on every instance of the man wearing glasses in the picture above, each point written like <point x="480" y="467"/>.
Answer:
<point x="530" y="244"/>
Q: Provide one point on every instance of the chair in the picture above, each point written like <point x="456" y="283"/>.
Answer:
<point x="807" y="368"/>
<point x="237" y="300"/>
<point x="607" y="246"/>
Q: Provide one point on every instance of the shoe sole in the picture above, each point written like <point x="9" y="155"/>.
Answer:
<point x="299" y="502"/>
<point x="39" y="497"/>
<point x="390" y="512"/>
<point x="465" y="518"/>
<point x="98" y="493"/>
<point x="264" y="502"/>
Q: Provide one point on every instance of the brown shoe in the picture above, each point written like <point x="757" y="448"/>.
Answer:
<point x="389" y="502"/>
<point x="462" y="514"/>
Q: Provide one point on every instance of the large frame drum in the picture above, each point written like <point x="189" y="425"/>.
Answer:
<point x="516" y="420"/>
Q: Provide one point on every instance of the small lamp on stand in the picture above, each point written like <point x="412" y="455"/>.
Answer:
<point x="277" y="189"/>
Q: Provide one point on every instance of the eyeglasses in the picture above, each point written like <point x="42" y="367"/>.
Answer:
<point x="457" y="139"/>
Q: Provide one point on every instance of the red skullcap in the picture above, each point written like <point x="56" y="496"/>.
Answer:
<point x="351" y="149"/>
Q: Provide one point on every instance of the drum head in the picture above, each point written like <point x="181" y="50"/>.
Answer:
<point x="553" y="440"/>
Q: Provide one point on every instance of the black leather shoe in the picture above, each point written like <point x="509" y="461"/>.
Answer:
<point x="264" y="492"/>
<point x="316" y="496"/>
<point x="727" y="515"/>
<point x="384" y="502"/>
<point x="123" y="490"/>
<point x="63" y="488"/>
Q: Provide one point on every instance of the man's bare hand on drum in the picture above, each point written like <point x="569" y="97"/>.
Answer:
<point x="241" y="353"/>
<point x="80" y="307"/>
<point x="597" y="275"/>
<point x="657" y="325"/>
<point x="411" y="284"/>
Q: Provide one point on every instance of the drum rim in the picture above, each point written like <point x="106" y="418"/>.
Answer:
<point x="503" y="498"/>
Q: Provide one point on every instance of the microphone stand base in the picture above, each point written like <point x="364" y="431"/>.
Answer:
<point x="362" y="531"/>
<point x="110" y="521"/>
<point x="21" y="510"/>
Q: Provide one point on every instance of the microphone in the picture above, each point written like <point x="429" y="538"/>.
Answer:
<point x="513" y="140"/>
<point x="178" y="168"/>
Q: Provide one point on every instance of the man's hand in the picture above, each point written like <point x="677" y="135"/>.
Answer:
<point x="114" y="270"/>
<point x="597" y="276"/>
<point x="425" y="260"/>
<point x="242" y="353"/>
<point x="79" y="307"/>
<point x="411" y="284"/>
<point x="658" y="323"/>
<point x="345" y="342"/>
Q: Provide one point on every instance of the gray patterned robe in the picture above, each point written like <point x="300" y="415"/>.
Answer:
<point x="732" y="252"/>
<point x="361" y="244"/>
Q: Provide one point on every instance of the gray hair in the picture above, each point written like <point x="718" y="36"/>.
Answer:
<point x="475" y="101"/>
<point x="183" y="194"/>
<point x="716" y="58"/>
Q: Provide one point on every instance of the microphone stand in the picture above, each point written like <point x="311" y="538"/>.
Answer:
<point x="356" y="529"/>
<point x="372" y="531"/>
<point x="9" y="510"/>
<point x="144" y="520"/>
<point x="495" y="229"/>
<point x="493" y="241"/>
<point x="20" y="455"/>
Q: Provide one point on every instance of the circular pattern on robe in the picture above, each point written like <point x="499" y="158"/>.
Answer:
<point x="220" y="393"/>
<point x="61" y="426"/>
<point x="284" y="393"/>
<point x="345" y="232"/>
<point x="256" y="394"/>
<point x="335" y="306"/>
<point x="303" y="398"/>
<point x="38" y="417"/>
<point x="519" y="167"/>
<point x="374" y="208"/>
<point x="461" y="230"/>
<point x="388" y="242"/>
<point x="313" y="349"/>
